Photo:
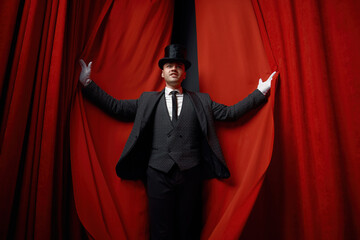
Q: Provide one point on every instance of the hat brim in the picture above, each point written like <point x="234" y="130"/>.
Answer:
<point x="168" y="60"/>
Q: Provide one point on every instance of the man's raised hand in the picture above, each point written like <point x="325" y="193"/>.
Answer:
<point x="264" y="87"/>
<point x="85" y="73"/>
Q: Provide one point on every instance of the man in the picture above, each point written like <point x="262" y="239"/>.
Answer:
<point x="173" y="144"/>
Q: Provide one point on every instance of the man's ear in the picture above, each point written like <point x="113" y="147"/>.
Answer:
<point x="162" y="73"/>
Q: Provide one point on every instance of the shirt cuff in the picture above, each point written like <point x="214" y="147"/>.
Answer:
<point x="87" y="82"/>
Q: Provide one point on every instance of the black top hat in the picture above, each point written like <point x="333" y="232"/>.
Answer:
<point x="175" y="53"/>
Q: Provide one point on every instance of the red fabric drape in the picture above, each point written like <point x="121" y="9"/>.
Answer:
<point x="40" y="42"/>
<point x="312" y="187"/>
<point x="125" y="46"/>
<point x="32" y="43"/>
<point x="232" y="58"/>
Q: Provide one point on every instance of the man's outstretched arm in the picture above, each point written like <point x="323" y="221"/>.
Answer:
<point x="124" y="110"/>
<point x="222" y="112"/>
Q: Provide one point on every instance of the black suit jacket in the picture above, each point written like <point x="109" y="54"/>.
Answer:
<point x="134" y="158"/>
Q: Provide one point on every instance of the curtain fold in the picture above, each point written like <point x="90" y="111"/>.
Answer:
<point x="311" y="188"/>
<point x="232" y="57"/>
<point x="125" y="45"/>
<point x="29" y="127"/>
<point x="38" y="41"/>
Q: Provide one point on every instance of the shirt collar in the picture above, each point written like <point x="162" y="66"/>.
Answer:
<point x="168" y="90"/>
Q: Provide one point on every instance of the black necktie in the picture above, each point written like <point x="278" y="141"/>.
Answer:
<point x="174" y="106"/>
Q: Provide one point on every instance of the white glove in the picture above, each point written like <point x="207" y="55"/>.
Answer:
<point x="264" y="87"/>
<point x="85" y="73"/>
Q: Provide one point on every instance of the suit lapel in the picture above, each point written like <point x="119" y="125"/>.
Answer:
<point x="200" y="112"/>
<point x="150" y="103"/>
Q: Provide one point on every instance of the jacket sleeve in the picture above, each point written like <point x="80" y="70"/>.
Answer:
<point x="222" y="112"/>
<point x="124" y="110"/>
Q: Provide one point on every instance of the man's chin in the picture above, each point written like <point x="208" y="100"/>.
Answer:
<point x="173" y="83"/>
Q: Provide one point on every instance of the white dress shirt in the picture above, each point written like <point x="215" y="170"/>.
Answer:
<point x="168" y="99"/>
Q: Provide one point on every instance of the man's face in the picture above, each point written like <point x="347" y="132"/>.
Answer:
<point x="173" y="74"/>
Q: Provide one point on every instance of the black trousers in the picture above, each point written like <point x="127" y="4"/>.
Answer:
<point x="174" y="203"/>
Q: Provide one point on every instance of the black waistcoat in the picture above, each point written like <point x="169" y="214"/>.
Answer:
<point x="175" y="144"/>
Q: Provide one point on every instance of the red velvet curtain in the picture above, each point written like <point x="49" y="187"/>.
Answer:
<point x="311" y="186"/>
<point x="34" y="185"/>
<point x="41" y="44"/>
<point x="125" y="47"/>
<point x="232" y="58"/>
